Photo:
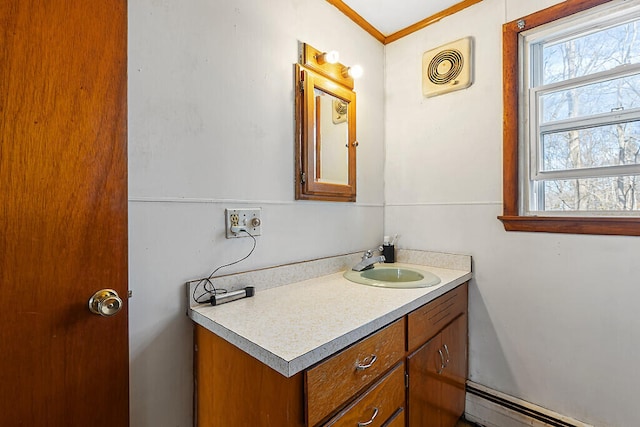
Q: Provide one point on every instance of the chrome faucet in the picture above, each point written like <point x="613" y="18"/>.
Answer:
<point x="368" y="260"/>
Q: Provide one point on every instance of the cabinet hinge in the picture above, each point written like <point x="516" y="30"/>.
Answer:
<point x="303" y="177"/>
<point x="301" y="86"/>
<point x="406" y="380"/>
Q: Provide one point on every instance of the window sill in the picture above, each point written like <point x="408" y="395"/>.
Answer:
<point x="619" y="226"/>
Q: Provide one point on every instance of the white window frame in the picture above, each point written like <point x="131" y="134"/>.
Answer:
<point x="530" y="46"/>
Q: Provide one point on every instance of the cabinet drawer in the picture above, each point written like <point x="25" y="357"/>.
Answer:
<point x="336" y="380"/>
<point x="396" y="420"/>
<point x="429" y="319"/>
<point x="378" y="406"/>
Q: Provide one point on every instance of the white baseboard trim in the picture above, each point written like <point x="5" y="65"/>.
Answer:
<point x="490" y="408"/>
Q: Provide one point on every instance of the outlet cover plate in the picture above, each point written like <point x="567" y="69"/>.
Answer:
<point x="243" y="216"/>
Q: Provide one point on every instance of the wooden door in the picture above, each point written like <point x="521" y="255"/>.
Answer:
<point x="424" y="367"/>
<point x="454" y="376"/>
<point x="63" y="212"/>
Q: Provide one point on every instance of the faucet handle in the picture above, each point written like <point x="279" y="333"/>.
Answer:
<point x="369" y="253"/>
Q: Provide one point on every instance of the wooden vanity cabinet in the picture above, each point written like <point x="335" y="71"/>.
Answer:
<point x="426" y="349"/>
<point x="437" y="370"/>
<point x="234" y="389"/>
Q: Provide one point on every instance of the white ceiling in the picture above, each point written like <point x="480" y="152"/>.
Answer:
<point x="389" y="16"/>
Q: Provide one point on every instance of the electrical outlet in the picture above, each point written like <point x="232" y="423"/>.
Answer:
<point x="249" y="218"/>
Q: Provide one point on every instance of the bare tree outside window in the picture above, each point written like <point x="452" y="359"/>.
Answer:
<point x="599" y="139"/>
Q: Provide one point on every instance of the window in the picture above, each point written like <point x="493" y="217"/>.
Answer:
<point x="572" y="119"/>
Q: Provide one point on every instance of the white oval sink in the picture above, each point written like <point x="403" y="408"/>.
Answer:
<point x="393" y="277"/>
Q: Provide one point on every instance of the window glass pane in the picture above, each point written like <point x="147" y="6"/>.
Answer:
<point x="598" y="51"/>
<point x="602" y="97"/>
<point x="609" y="145"/>
<point x="592" y="194"/>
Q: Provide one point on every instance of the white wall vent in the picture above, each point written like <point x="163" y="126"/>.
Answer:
<point x="447" y="68"/>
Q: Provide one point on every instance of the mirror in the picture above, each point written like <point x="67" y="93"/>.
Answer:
<point x="331" y="134"/>
<point x="325" y="130"/>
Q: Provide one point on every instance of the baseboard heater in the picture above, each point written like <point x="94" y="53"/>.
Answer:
<point x="492" y="408"/>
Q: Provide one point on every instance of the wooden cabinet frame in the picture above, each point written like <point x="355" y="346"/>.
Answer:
<point x="310" y="75"/>
<point x="512" y="219"/>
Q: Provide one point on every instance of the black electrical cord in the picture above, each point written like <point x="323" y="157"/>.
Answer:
<point x="205" y="282"/>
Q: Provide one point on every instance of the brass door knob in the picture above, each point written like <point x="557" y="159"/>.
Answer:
<point x="105" y="302"/>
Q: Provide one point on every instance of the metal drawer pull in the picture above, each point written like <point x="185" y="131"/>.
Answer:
<point x="446" y="349"/>
<point x="373" y="417"/>
<point x="442" y="365"/>
<point x="362" y="367"/>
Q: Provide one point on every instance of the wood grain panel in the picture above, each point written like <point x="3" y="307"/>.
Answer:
<point x="619" y="226"/>
<point x="235" y="389"/>
<point x="386" y="396"/>
<point x="334" y="381"/>
<point x="397" y="419"/>
<point x="428" y="320"/>
<point x="454" y="375"/>
<point x="437" y="378"/>
<point x="63" y="211"/>
<point x="424" y="392"/>
<point x="510" y="127"/>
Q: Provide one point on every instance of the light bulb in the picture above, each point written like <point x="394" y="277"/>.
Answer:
<point x="356" y="71"/>
<point x="353" y="72"/>
<point x="330" y="57"/>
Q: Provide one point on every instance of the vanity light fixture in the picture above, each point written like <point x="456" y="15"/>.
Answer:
<point x="331" y="57"/>
<point x="354" y="72"/>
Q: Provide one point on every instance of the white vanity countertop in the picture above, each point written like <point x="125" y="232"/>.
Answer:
<point x="294" y="326"/>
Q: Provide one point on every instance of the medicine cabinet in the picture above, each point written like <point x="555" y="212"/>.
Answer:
<point x="325" y="129"/>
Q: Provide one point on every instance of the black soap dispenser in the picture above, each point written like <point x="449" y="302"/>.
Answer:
<point x="388" y="250"/>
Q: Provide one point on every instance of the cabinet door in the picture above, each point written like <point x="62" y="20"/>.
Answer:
<point x="424" y="367"/>
<point x="437" y="376"/>
<point x="454" y="345"/>
<point x="233" y="388"/>
<point x="396" y="420"/>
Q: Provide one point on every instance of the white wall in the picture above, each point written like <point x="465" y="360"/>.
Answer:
<point x="553" y="318"/>
<point x="211" y="125"/>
